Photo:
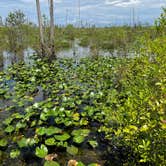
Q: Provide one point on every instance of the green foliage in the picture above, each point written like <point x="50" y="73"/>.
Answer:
<point x="3" y="142"/>
<point x="116" y="102"/>
<point x="161" y="23"/>
<point x="16" y="31"/>
<point x="41" y="151"/>
<point x="51" y="163"/>
<point x="72" y="150"/>
<point x="14" y="153"/>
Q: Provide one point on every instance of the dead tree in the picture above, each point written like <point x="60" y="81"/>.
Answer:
<point x="40" y="27"/>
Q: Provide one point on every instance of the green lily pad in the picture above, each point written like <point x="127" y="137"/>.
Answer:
<point x="94" y="144"/>
<point x="40" y="131"/>
<point x="79" y="139"/>
<point x="32" y="141"/>
<point x="51" y="113"/>
<point x="63" y="137"/>
<point x="80" y="164"/>
<point x="20" y="125"/>
<point x="14" y="153"/>
<point x="9" y="129"/>
<point x="41" y="151"/>
<point x="8" y="121"/>
<point x="81" y="132"/>
<point x="72" y="150"/>
<point x="3" y="142"/>
<point x="53" y="130"/>
<point x="93" y="164"/>
<point x="17" y="116"/>
<point x="50" y="141"/>
<point x="48" y="131"/>
<point x="51" y="163"/>
<point x="23" y="142"/>
<point x="43" y="116"/>
<point x="33" y="123"/>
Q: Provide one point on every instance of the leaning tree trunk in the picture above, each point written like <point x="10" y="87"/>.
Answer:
<point x="40" y="27"/>
<point x="52" y="28"/>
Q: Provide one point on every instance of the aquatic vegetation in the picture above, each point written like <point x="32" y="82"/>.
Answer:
<point x="112" y="106"/>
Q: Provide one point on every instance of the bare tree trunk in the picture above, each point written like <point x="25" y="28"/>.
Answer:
<point x="52" y="28"/>
<point x="40" y="26"/>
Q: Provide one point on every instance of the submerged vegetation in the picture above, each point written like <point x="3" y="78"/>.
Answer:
<point x="107" y="111"/>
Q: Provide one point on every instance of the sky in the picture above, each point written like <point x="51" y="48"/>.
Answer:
<point x="98" y="12"/>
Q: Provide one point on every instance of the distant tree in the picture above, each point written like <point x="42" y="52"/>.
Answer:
<point x="15" y="19"/>
<point x="15" y="22"/>
<point x="161" y="22"/>
<point x="1" y="22"/>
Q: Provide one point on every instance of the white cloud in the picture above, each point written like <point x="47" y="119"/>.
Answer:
<point x="122" y="3"/>
<point x="139" y="3"/>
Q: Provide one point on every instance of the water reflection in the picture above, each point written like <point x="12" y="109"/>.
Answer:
<point x="76" y="52"/>
<point x="8" y="58"/>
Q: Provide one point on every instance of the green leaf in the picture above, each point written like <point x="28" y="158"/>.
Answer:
<point x="48" y="131"/>
<point x="93" y="164"/>
<point x="81" y="132"/>
<point x="43" y="117"/>
<point x="40" y="131"/>
<point x="20" y="125"/>
<point x="17" y="116"/>
<point x="52" y="113"/>
<point x="23" y="142"/>
<point x="79" y="139"/>
<point x="51" y="163"/>
<point x="94" y="144"/>
<point x="80" y="164"/>
<point x="53" y="130"/>
<point x="50" y="141"/>
<point x="41" y="151"/>
<point x="63" y="137"/>
<point x="8" y="121"/>
<point x="9" y="129"/>
<point x="72" y="150"/>
<point x="3" y="142"/>
<point x="14" y="153"/>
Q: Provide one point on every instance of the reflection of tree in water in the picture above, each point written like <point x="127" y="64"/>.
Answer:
<point x="1" y="60"/>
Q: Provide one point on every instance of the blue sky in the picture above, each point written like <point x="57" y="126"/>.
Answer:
<point x="99" y="12"/>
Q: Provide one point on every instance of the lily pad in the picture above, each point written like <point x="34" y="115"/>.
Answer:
<point x="14" y="153"/>
<point x="80" y="164"/>
<point x="48" y="131"/>
<point x="41" y="151"/>
<point x="40" y="131"/>
<point x="50" y="141"/>
<point x="63" y="137"/>
<point x="81" y="132"/>
<point x="23" y="142"/>
<point x="79" y="139"/>
<point x="51" y="163"/>
<point x="53" y="130"/>
<point x="3" y="142"/>
<point x="20" y="125"/>
<point x="94" y="144"/>
<point x="9" y="129"/>
<point x="8" y="121"/>
<point x="72" y="150"/>
<point x="94" y="164"/>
